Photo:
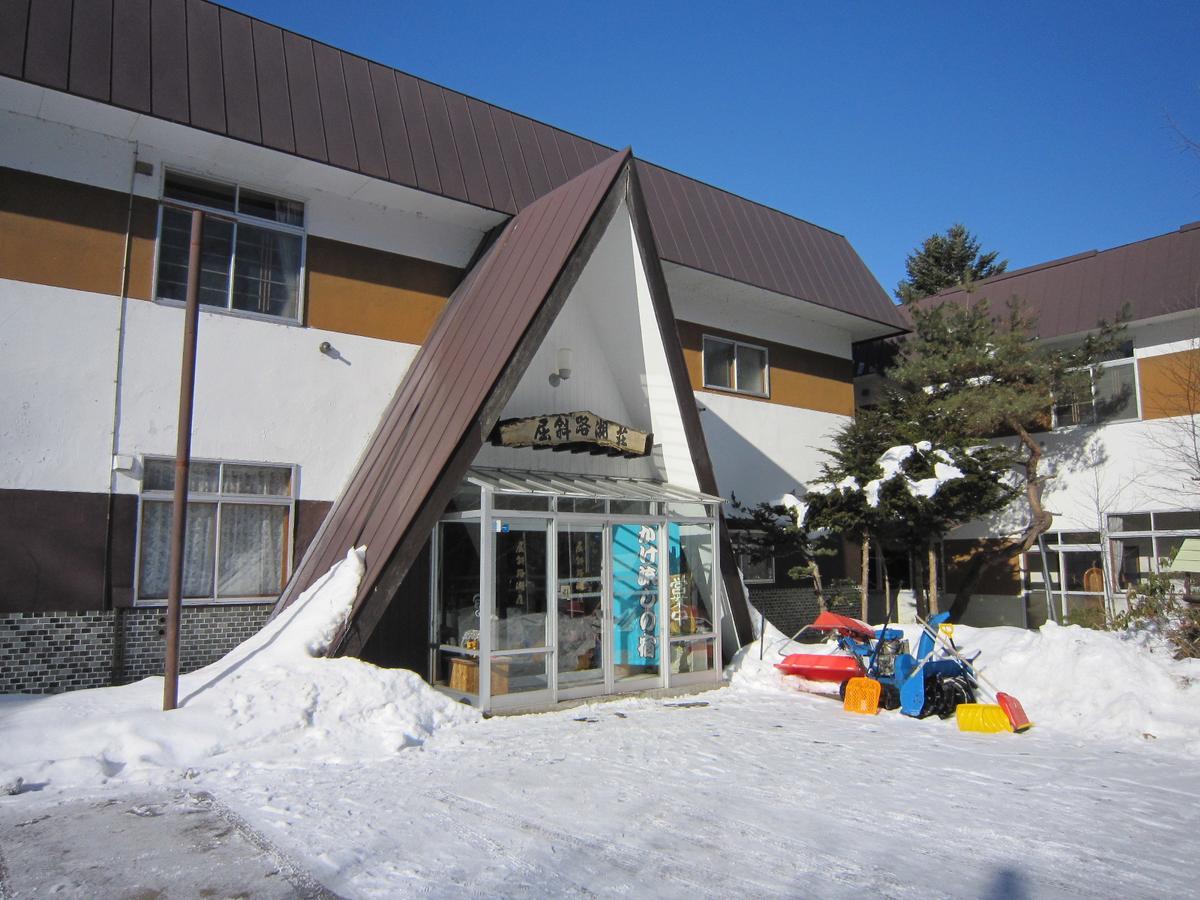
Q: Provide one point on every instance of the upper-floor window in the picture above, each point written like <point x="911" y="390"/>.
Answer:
<point x="251" y="247"/>
<point x="1110" y="397"/>
<point x="734" y="366"/>
<point x="237" y="538"/>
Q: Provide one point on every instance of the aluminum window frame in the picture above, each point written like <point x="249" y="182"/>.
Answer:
<point x="217" y="498"/>
<point x="1095" y="422"/>
<point x="234" y="217"/>
<point x="765" y="394"/>
<point x="1154" y="533"/>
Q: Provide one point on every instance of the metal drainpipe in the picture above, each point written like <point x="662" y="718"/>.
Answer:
<point x="118" y="373"/>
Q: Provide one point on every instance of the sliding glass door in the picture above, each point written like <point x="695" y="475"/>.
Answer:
<point x="582" y="619"/>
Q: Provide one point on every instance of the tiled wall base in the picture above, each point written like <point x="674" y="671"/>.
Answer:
<point x="51" y="652"/>
<point x="787" y="608"/>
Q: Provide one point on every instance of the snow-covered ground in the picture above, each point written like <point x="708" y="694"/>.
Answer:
<point x="384" y="788"/>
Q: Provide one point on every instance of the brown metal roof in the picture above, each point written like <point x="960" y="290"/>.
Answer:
<point x="193" y="62"/>
<point x="454" y="391"/>
<point x="1154" y="277"/>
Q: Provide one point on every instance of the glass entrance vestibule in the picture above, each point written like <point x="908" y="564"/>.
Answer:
<point x="557" y="587"/>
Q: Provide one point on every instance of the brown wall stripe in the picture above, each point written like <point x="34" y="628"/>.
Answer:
<point x="70" y="235"/>
<point x="800" y="378"/>
<point x="357" y="290"/>
<point x="52" y="549"/>
<point x="1170" y="384"/>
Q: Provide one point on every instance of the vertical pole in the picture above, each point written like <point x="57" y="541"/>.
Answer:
<point x="865" y="576"/>
<point x="933" y="577"/>
<point x="183" y="452"/>
<point x="1051" y="609"/>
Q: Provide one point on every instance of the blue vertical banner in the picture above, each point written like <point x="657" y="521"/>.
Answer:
<point x="635" y="594"/>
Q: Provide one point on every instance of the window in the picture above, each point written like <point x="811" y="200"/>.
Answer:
<point x="238" y="534"/>
<point x="251" y="250"/>
<point x="1145" y="543"/>
<point x="1110" y="397"/>
<point x="757" y="572"/>
<point x="734" y="366"/>
<point x="1075" y="564"/>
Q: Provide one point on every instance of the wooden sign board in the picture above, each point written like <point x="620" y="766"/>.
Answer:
<point x="579" y="432"/>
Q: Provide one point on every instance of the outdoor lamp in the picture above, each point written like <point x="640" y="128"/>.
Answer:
<point x="564" y="367"/>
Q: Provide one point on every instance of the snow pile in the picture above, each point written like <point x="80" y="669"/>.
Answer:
<point x="271" y="698"/>
<point x="1093" y="683"/>
<point x="892" y="463"/>
<point x="1070" y="680"/>
<point x="753" y="667"/>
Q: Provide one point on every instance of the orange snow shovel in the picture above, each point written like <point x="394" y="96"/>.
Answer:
<point x="862" y="696"/>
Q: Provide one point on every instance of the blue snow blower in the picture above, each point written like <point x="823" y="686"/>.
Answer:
<point x="918" y="685"/>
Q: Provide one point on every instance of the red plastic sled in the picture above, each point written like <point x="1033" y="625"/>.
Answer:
<point x="820" y="667"/>
<point x="843" y="625"/>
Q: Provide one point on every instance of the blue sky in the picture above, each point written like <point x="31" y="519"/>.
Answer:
<point x="1044" y="127"/>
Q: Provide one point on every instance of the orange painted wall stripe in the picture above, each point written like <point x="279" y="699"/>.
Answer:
<point x="799" y="378"/>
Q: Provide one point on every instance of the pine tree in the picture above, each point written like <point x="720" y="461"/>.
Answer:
<point x="965" y="376"/>
<point x="858" y="498"/>
<point x="946" y="261"/>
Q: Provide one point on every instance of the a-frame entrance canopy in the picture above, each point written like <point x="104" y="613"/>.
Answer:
<point x="454" y="393"/>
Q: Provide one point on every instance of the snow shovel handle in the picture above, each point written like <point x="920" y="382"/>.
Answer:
<point x="975" y="673"/>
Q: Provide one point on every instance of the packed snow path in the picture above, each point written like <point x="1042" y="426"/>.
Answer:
<point x="756" y="794"/>
<point x="382" y="787"/>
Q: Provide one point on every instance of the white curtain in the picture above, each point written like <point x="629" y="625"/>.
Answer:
<point x="198" y="549"/>
<point x="252" y="545"/>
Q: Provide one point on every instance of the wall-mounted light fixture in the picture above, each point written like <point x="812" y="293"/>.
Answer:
<point x="564" y="367"/>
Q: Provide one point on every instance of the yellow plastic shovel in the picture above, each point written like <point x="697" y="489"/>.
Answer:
<point x="986" y="717"/>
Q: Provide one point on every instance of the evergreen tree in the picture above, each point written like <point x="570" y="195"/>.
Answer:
<point x="946" y="261"/>
<point x="887" y="482"/>
<point x="965" y="376"/>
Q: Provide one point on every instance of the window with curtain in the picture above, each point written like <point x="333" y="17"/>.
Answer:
<point x="251" y="247"/>
<point x="237" y="536"/>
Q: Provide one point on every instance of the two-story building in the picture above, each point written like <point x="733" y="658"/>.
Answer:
<point x="1122" y="464"/>
<point x="363" y="236"/>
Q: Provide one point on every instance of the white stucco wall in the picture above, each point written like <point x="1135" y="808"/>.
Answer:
<point x="57" y="364"/>
<point x="761" y="450"/>
<point x="619" y="369"/>
<point x="264" y="392"/>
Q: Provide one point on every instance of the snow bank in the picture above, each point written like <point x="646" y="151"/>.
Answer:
<point x="1070" y="680"/>
<point x="272" y="697"/>
<point x="1093" y="683"/>
<point x="750" y="672"/>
